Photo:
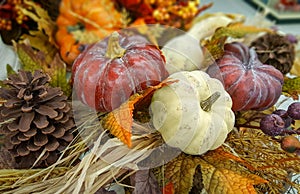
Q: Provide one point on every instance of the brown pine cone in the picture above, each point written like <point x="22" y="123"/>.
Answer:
<point x="276" y="50"/>
<point x="42" y="121"/>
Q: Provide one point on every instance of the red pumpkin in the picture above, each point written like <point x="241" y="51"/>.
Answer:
<point x="251" y="84"/>
<point x="108" y="72"/>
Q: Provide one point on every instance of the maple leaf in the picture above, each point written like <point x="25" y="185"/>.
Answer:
<point x="39" y="41"/>
<point x="119" y="121"/>
<point x="144" y="181"/>
<point x="180" y="171"/>
<point x="222" y="173"/>
<point x="214" y="47"/>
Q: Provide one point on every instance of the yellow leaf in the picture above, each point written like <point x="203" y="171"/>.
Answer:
<point x="119" y="121"/>
<point x="225" y="181"/>
<point x="291" y="87"/>
<point x="214" y="47"/>
<point x="296" y="66"/>
<point x="41" y="17"/>
<point x="222" y="173"/>
<point x="180" y="171"/>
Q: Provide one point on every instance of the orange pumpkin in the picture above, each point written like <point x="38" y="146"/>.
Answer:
<point x="83" y="22"/>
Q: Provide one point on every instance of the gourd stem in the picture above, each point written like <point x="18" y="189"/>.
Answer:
<point x="114" y="50"/>
<point x="206" y="104"/>
<point x="252" y="59"/>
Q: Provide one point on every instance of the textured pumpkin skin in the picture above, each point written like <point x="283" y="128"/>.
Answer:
<point x="251" y="84"/>
<point x="182" y="122"/>
<point x="104" y="83"/>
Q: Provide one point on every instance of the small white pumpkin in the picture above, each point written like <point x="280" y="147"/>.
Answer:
<point x="193" y="114"/>
<point x="184" y="53"/>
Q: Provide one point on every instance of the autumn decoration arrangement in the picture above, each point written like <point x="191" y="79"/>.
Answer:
<point x="137" y="96"/>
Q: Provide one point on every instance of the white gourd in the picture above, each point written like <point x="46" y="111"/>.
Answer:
<point x="7" y="56"/>
<point x="194" y="113"/>
<point x="184" y="53"/>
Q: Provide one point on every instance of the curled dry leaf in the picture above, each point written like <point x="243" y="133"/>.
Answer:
<point x="119" y="122"/>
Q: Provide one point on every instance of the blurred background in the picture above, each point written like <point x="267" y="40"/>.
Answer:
<point x="285" y="14"/>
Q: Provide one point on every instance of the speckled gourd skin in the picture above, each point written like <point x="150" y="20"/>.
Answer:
<point x="178" y="116"/>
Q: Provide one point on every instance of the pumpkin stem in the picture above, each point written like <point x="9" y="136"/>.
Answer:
<point x="252" y="58"/>
<point x="114" y="50"/>
<point x="206" y="104"/>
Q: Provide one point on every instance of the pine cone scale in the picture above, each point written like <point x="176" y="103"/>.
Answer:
<point x="25" y="121"/>
<point x="31" y="132"/>
<point x="40" y="139"/>
<point x="48" y="130"/>
<point x="13" y="126"/>
<point x="52" y="145"/>
<point x="41" y="121"/>
<point x="59" y="132"/>
<point x="47" y="111"/>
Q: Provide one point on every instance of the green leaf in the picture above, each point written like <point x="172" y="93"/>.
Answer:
<point x="30" y="59"/>
<point x="9" y="70"/>
<point x="58" y="73"/>
<point x="37" y="60"/>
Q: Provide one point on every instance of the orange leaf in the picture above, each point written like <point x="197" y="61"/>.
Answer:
<point x="225" y="181"/>
<point x="119" y="121"/>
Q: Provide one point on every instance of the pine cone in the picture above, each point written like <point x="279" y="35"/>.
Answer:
<point x="42" y="120"/>
<point x="275" y="50"/>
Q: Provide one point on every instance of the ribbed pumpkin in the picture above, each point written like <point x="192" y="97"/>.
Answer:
<point x="193" y="114"/>
<point x="108" y="72"/>
<point x="251" y="84"/>
<point x="83" y="22"/>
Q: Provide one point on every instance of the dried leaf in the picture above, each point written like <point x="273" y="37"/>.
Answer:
<point x="39" y="41"/>
<point x="119" y="121"/>
<point x="35" y="60"/>
<point x="41" y="17"/>
<point x="144" y="181"/>
<point x="180" y="171"/>
<point x="214" y="47"/>
<point x="296" y="66"/>
<point x="291" y="87"/>
<point x="57" y="70"/>
<point x="217" y="167"/>
<point x="30" y="59"/>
